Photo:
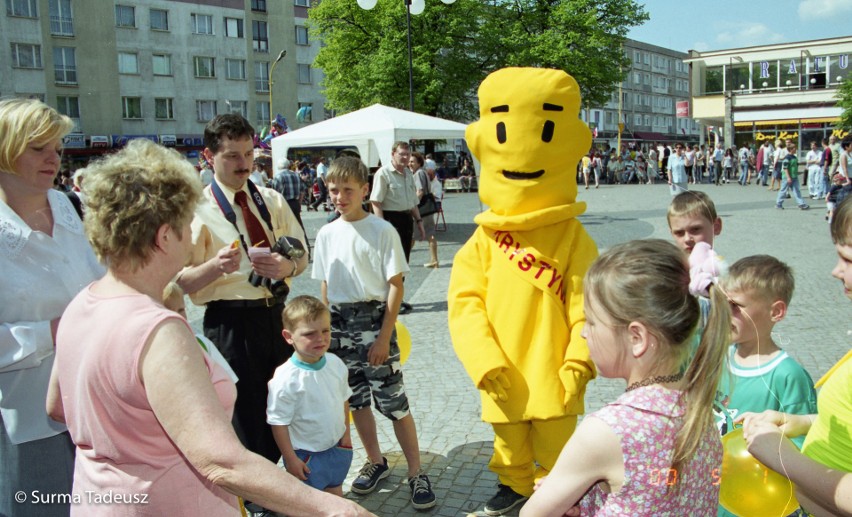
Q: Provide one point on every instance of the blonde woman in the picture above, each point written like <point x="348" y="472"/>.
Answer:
<point x="46" y="260"/>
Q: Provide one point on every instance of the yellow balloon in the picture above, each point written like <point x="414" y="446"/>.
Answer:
<point x="403" y="339"/>
<point x="748" y="488"/>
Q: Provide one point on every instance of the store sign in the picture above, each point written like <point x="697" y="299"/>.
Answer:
<point x="121" y="140"/>
<point x="792" y="66"/>
<point x="839" y="133"/>
<point x="100" y="142"/>
<point x="783" y="135"/>
<point x="168" y="140"/>
<point x="190" y="140"/>
<point x="682" y="108"/>
<point x="74" y="141"/>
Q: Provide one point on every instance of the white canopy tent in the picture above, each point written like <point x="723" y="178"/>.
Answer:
<point x="373" y="130"/>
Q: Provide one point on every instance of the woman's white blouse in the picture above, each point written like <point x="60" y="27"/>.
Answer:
<point x="39" y="276"/>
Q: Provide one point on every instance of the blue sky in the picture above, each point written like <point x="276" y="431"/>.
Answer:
<point x="723" y="24"/>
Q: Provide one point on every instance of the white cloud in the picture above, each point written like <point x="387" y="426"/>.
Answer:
<point x="823" y="9"/>
<point x="746" y="34"/>
<point x="700" y="46"/>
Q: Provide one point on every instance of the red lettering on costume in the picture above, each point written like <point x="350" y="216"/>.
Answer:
<point x="560" y="291"/>
<point x="544" y="265"/>
<point x="497" y="235"/>
<point x="554" y="276"/>
<point x="507" y="242"/>
<point x="526" y="263"/>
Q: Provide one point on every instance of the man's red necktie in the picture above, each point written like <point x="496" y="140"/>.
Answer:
<point x="255" y="230"/>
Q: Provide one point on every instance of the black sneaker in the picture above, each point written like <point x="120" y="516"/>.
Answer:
<point x="369" y="476"/>
<point x="405" y="308"/>
<point x="422" y="496"/>
<point x="804" y="207"/>
<point x="504" y="500"/>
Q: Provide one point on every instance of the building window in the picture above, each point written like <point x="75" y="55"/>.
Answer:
<point x="22" y="8"/>
<point x="204" y="66"/>
<point x="646" y="58"/>
<point x="261" y="76"/>
<point x="26" y="56"/>
<point x="263" y="119"/>
<point x="61" y="20"/>
<point x="608" y="117"/>
<point x="65" y="65"/>
<point x="302" y="35"/>
<point x="205" y="110"/>
<point x="303" y="3"/>
<point x="637" y="78"/>
<point x="637" y="57"/>
<point x="131" y="107"/>
<point x="202" y="23"/>
<point x="240" y="107"/>
<point x="304" y="74"/>
<point x="259" y="36"/>
<point x="637" y="120"/>
<point x="125" y="16"/>
<point x="258" y="5"/>
<point x="305" y="112"/>
<point x="164" y="109"/>
<point x="159" y="20"/>
<point x="235" y="69"/>
<point x="647" y="120"/>
<point x="128" y="63"/>
<point x="68" y="106"/>
<point x="162" y="64"/>
<point x="233" y="28"/>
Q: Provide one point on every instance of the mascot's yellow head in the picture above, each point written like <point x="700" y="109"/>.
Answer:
<point x="528" y="139"/>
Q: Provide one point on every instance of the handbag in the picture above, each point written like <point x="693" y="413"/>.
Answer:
<point x="427" y="205"/>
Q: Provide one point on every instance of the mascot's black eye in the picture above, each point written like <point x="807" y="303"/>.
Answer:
<point x="501" y="132"/>
<point x="547" y="132"/>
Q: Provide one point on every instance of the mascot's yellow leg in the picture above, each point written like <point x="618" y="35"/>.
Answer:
<point x="548" y="439"/>
<point x="526" y="451"/>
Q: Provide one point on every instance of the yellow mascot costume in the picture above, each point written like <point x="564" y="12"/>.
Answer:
<point x="516" y="293"/>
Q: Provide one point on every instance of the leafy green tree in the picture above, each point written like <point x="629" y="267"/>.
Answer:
<point x="844" y="100"/>
<point x="365" y="57"/>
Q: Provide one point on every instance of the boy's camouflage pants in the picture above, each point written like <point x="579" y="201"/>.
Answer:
<point x="354" y="328"/>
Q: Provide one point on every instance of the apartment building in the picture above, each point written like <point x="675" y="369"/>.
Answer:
<point x="156" y="69"/>
<point x="658" y="80"/>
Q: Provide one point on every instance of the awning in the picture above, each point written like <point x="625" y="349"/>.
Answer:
<point x="787" y="121"/>
<point x="650" y="135"/>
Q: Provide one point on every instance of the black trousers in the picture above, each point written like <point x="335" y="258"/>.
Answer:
<point x="403" y="222"/>
<point x="250" y="340"/>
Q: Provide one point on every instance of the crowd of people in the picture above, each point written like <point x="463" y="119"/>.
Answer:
<point x="105" y="388"/>
<point x="774" y="165"/>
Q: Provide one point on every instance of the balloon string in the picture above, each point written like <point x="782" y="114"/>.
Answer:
<point x="780" y="405"/>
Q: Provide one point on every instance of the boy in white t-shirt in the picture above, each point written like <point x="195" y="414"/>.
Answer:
<point x="308" y="402"/>
<point x="360" y="261"/>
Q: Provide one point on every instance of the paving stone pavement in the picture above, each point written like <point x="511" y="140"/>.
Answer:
<point x="456" y="444"/>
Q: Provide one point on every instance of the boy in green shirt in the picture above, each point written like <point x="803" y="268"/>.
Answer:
<point x="790" y="180"/>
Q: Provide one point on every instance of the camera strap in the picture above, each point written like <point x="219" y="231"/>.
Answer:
<point x="231" y="216"/>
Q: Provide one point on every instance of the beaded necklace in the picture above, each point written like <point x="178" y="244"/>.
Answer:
<point x="659" y="379"/>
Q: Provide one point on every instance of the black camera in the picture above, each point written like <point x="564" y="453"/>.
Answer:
<point x="290" y="248"/>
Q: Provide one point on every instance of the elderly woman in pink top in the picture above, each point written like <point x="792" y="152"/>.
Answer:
<point x="149" y="412"/>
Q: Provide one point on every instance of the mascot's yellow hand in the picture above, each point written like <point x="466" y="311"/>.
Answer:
<point x="574" y="383"/>
<point x="495" y="384"/>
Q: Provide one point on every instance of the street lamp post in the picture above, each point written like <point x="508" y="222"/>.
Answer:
<point x="271" y="82"/>
<point x="414" y="7"/>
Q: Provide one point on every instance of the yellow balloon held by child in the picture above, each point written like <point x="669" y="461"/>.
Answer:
<point x="403" y="339"/>
<point x="748" y="488"/>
